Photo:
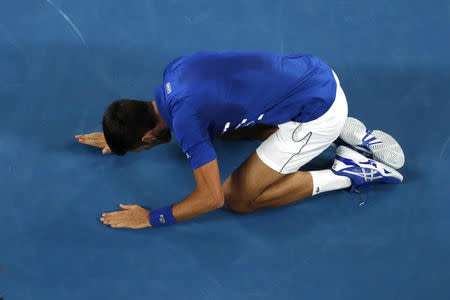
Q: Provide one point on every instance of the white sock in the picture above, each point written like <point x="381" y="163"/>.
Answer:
<point x="326" y="180"/>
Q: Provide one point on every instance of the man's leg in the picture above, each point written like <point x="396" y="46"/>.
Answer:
<point x="254" y="185"/>
<point x="269" y="177"/>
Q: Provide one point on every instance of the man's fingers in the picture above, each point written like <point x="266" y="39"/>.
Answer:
<point x="85" y="135"/>
<point x="113" y="222"/>
<point x="82" y="136"/>
<point x="109" y="216"/>
<point x="126" y="207"/>
<point x="96" y="139"/>
<point x="105" y="220"/>
<point x="114" y="219"/>
<point x="117" y="224"/>
<point x="106" y="150"/>
<point x="82" y="139"/>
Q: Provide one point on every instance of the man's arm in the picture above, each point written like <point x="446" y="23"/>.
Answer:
<point x="206" y="197"/>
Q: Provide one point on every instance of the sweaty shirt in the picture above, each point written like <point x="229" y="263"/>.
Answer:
<point x="209" y="93"/>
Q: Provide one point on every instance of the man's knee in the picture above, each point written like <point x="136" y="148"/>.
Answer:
<point x="238" y="205"/>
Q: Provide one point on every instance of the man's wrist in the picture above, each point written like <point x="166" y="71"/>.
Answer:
<point x="161" y="217"/>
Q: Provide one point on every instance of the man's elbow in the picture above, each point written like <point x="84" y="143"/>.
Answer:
<point x="215" y="200"/>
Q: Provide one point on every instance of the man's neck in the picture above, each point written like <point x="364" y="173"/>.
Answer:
<point x="161" y="123"/>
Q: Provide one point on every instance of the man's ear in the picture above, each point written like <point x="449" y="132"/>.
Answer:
<point x="148" y="137"/>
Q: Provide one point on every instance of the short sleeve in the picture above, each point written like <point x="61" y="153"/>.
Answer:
<point x="193" y="137"/>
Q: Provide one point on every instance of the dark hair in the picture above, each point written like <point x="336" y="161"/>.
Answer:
<point x="125" y="122"/>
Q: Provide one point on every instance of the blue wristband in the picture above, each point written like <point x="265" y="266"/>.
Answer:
<point x="162" y="217"/>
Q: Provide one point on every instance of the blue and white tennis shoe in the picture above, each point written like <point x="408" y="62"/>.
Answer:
<point x="362" y="170"/>
<point x="375" y="144"/>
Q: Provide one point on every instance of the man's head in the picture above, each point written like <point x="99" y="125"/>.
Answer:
<point x="131" y="125"/>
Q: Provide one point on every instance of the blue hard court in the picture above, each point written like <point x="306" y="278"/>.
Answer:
<point x="63" y="62"/>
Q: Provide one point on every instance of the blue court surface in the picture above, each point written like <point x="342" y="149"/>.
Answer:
<point x="63" y="62"/>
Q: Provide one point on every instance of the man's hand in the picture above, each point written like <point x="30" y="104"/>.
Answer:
<point x="95" y="139"/>
<point x="131" y="216"/>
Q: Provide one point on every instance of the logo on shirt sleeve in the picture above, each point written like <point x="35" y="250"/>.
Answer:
<point x="188" y="155"/>
<point x="168" y="88"/>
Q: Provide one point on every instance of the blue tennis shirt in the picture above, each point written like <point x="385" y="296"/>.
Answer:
<point x="209" y="93"/>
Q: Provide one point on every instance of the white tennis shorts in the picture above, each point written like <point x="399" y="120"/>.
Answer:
<point x="294" y="144"/>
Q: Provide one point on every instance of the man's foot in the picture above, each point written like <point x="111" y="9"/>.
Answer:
<point x="362" y="170"/>
<point x="381" y="145"/>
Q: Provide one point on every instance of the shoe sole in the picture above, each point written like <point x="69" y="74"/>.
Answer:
<point x="355" y="156"/>
<point x="388" y="152"/>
